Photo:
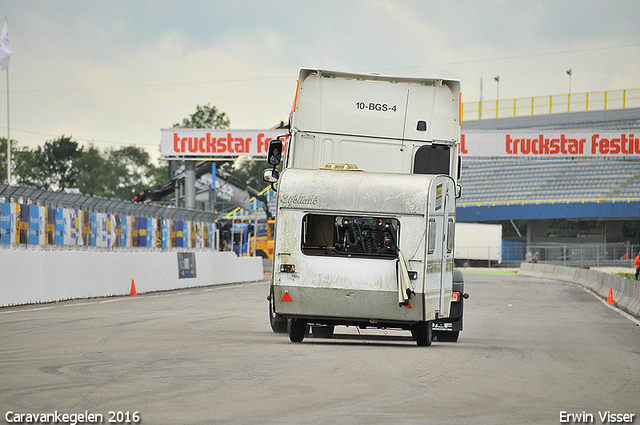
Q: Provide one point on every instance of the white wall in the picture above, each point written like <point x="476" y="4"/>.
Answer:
<point x="625" y="292"/>
<point x="35" y="276"/>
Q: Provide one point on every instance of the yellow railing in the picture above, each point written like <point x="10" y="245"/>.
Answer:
<point x="539" y="105"/>
<point x="240" y="213"/>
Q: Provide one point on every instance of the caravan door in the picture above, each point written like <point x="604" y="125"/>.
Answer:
<point x="439" y="264"/>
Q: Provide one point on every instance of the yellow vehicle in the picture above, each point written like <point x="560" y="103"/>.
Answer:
<point x="264" y="243"/>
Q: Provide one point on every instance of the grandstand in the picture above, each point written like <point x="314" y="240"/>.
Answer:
<point x="491" y="181"/>
<point x="505" y="180"/>
<point x="602" y="189"/>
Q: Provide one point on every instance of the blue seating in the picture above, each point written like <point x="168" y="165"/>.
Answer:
<point x="502" y="180"/>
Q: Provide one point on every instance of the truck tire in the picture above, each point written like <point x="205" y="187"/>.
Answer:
<point x="446" y="336"/>
<point x="422" y="333"/>
<point x="277" y="322"/>
<point x="297" y="329"/>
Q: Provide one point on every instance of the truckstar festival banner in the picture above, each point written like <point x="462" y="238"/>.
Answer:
<point x="205" y="143"/>
<point x="550" y="144"/>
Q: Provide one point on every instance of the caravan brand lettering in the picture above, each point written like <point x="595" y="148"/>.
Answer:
<point x="298" y="200"/>
<point x="563" y="145"/>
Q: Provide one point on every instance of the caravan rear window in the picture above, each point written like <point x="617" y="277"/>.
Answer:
<point x="357" y="236"/>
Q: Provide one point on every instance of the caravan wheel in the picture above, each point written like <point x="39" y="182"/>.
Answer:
<point x="297" y="329"/>
<point x="277" y="322"/>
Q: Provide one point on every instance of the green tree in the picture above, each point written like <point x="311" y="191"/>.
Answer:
<point x="95" y="174"/>
<point x="133" y="170"/>
<point x="22" y="163"/>
<point x="54" y="164"/>
<point x="247" y="170"/>
<point x="160" y="174"/>
<point x="116" y="173"/>
<point x="206" y="116"/>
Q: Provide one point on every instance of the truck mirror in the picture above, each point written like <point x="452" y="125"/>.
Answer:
<point x="458" y="191"/>
<point x="275" y="152"/>
<point x="270" y="175"/>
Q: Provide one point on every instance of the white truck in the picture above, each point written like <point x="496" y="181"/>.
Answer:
<point x="478" y="244"/>
<point x="365" y="214"/>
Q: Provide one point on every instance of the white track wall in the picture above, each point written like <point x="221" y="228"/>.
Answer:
<point x="625" y="292"/>
<point x="35" y="276"/>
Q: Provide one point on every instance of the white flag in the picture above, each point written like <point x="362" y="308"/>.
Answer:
<point x="5" y="53"/>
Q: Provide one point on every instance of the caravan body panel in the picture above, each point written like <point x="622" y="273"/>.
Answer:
<point x="328" y="279"/>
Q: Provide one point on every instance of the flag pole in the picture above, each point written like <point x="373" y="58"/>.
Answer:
<point x="8" y="135"/>
<point x="5" y="53"/>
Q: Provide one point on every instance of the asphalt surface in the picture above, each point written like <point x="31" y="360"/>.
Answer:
<point x="531" y="350"/>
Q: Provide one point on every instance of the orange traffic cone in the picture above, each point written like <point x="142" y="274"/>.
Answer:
<point x="133" y="288"/>
<point x="610" y="297"/>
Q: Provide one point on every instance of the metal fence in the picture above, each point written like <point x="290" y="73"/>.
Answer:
<point x="40" y="197"/>
<point x="572" y="254"/>
<point x="40" y="219"/>
<point x="538" y="105"/>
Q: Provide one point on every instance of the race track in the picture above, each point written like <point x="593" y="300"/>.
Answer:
<point x="531" y="350"/>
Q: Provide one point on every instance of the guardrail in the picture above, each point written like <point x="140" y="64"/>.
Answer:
<point x="618" y="254"/>
<point x="538" y="105"/>
<point x="31" y="216"/>
<point x="625" y="292"/>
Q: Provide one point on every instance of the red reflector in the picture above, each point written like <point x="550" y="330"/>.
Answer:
<point x="455" y="297"/>
<point x="286" y="297"/>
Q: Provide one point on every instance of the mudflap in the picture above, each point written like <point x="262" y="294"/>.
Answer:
<point x="443" y="326"/>
<point x="448" y="330"/>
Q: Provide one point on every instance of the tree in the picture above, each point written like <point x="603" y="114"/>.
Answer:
<point x="116" y="173"/>
<point x="206" y="116"/>
<point x="247" y="170"/>
<point x="54" y="164"/>
<point x="61" y="164"/>
<point x="22" y="162"/>
<point x="95" y="174"/>
<point x="133" y="170"/>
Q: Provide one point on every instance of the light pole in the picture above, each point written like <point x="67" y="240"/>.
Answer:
<point x="497" y="78"/>
<point x="569" y="96"/>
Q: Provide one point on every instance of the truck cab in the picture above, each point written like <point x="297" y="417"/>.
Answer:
<point x="380" y="123"/>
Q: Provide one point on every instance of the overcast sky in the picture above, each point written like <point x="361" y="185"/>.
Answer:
<point x="115" y="72"/>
